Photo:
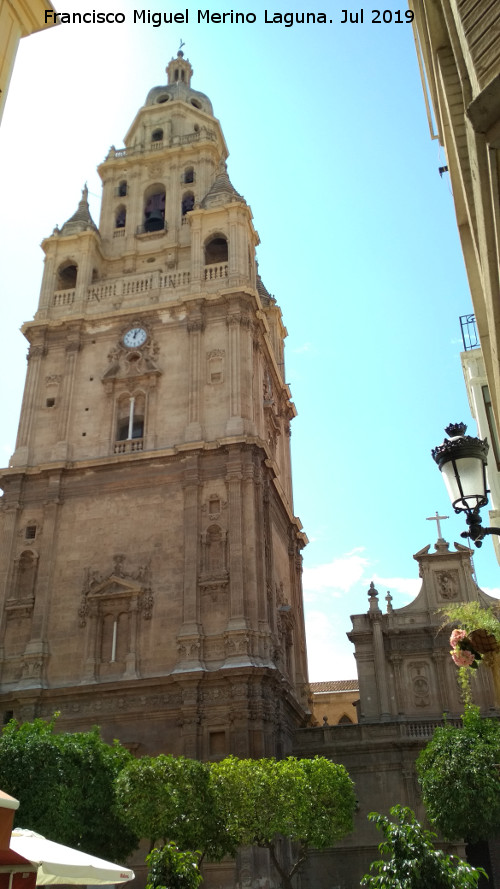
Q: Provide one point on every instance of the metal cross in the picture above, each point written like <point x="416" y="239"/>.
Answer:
<point x="436" y="518"/>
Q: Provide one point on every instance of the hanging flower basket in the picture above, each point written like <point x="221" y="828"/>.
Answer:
<point x="464" y="651"/>
<point x="483" y="641"/>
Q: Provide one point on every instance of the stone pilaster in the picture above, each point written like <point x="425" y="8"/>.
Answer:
<point x="195" y="331"/>
<point x="36" y="353"/>
<point x="235" y="422"/>
<point x="189" y="636"/>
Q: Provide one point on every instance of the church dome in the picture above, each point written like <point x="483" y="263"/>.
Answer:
<point x="178" y="88"/>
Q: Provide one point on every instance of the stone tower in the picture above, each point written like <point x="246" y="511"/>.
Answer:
<point x="151" y="570"/>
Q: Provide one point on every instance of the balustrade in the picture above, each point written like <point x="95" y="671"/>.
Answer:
<point x="130" y="446"/>
<point x="215" y="271"/>
<point x="63" y="297"/>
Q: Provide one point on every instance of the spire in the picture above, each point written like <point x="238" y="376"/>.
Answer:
<point x="222" y="191"/>
<point x="81" y="220"/>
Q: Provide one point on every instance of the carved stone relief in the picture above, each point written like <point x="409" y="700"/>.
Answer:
<point x="447" y="584"/>
<point x="420" y="683"/>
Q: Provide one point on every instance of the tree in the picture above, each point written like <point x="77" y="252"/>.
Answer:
<point x="169" y="868"/>
<point x="412" y="862"/>
<point x="460" y="779"/>
<point x="65" y="785"/>
<point x="309" y="801"/>
<point x="171" y="799"/>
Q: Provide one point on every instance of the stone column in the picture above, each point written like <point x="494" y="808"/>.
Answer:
<point x="36" y="652"/>
<point x="237" y="619"/>
<point x="36" y="352"/>
<point x="48" y="287"/>
<point x="188" y="638"/>
<point x="61" y="450"/>
<point x="195" y="328"/>
<point x="234" y="424"/>
<point x="376" y="616"/>
<point x="7" y="552"/>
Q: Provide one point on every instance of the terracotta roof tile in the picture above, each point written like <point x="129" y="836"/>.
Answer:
<point x="335" y="686"/>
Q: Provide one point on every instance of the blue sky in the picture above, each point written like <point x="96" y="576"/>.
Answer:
<point x="329" y="143"/>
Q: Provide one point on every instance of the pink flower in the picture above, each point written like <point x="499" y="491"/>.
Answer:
<point x="462" y="658"/>
<point x="457" y="637"/>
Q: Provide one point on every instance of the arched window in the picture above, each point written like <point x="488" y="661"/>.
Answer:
<point x="187" y="202"/>
<point x="114" y="638"/>
<point x="130" y="420"/>
<point x="345" y="720"/>
<point x="121" y="217"/>
<point x="188" y="175"/>
<point x="157" y="135"/>
<point x="154" y="208"/>
<point x="122" y="188"/>
<point x="216" y="250"/>
<point x="66" y="276"/>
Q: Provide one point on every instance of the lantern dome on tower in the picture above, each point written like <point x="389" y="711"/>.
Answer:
<point x="81" y="220"/>
<point x="178" y="89"/>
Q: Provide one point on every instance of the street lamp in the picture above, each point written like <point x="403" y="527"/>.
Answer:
<point x="462" y="459"/>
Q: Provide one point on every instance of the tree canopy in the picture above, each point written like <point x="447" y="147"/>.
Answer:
<point x="171" y="799"/>
<point x="411" y="860"/>
<point x="65" y="785"/>
<point x="459" y="774"/>
<point x="169" y="867"/>
<point x="309" y="801"/>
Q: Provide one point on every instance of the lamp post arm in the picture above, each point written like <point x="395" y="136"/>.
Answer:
<point x="476" y="531"/>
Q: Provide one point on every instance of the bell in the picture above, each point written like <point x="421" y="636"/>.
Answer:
<point x="155" y="221"/>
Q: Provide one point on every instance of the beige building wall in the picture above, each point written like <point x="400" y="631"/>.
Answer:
<point x="335" y="702"/>
<point x="458" y="46"/>
<point x="18" y="18"/>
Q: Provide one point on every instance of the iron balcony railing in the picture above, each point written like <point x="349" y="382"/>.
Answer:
<point x="470" y="337"/>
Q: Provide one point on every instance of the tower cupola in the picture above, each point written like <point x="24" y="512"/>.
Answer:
<point x="179" y="70"/>
<point x="178" y="88"/>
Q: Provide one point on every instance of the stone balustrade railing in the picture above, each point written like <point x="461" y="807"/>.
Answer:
<point x="201" y="136"/>
<point x="63" y="298"/>
<point x="216" y="271"/>
<point x="130" y="446"/>
<point x="105" y="291"/>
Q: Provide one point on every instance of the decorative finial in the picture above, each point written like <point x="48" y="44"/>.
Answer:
<point x="373" y="598"/>
<point x="85" y="193"/>
<point x="388" y="599"/>
<point x="179" y="51"/>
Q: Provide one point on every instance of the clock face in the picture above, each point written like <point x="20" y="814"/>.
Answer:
<point x="135" y="337"/>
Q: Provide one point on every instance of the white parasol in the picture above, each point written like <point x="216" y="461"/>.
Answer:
<point x="60" y="864"/>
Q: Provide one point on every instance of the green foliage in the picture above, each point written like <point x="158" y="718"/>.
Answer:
<point x="309" y="801"/>
<point x="411" y="860"/>
<point x="460" y="779"/>
<point x="169" y="868"/>
<point x="171" y="798"/>
<point x="65" y="785"/>
<point x="473" y="616"/>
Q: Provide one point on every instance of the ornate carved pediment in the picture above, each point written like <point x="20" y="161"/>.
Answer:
<point x="131" y="589"/>
<point x="114" y="586"/>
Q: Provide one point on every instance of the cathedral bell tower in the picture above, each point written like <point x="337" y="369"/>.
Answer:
<point x="151" y="570"/>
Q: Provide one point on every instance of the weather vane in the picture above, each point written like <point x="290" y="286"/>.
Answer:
<point x="181" y="44"/>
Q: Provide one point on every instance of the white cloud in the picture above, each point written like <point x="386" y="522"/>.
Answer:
<point x="409" y="586"/>
<point x="491" y="591"/>
<point x="306" y="347"/>
<point x="329" y="653"/>
<point x="337" y="576"/>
